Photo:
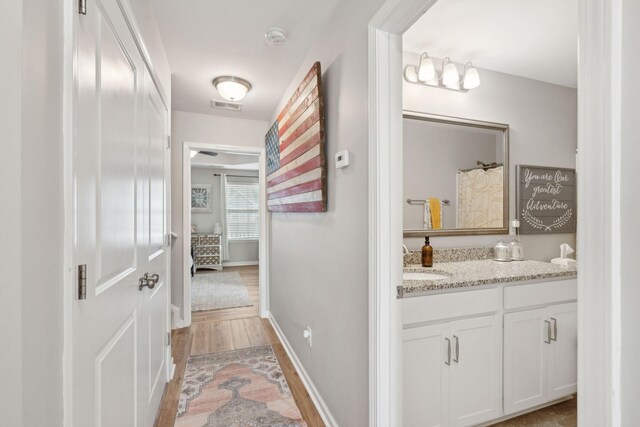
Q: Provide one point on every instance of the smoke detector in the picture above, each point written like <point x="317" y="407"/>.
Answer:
<point x="275" y="36"/>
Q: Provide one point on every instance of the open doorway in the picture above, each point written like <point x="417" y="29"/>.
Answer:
<point x="224" y="218"/>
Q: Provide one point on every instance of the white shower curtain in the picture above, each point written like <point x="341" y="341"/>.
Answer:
<point x="223" y="217"/>
<point x="480" y="198"/>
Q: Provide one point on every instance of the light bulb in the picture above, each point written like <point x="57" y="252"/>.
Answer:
<point x="450" y="76"/>
<point x="426" y="69"/>
<point x="471" y="77"/>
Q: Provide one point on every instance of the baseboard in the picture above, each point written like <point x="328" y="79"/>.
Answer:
<point x="176" y="321"/>
<point x="239" y="263"/>
<point x="320" y="404"/>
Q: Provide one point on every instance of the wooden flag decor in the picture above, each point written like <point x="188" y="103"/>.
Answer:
<point x="296" y="165"/>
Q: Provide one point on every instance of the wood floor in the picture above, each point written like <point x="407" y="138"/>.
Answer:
<point x="231" y="329"/>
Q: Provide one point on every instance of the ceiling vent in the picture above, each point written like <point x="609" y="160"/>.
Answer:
<point x="225" y="105"/>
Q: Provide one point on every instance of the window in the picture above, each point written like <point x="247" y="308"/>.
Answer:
<point x="242" y="210"/>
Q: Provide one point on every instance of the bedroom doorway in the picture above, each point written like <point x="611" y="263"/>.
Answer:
<point x="225" y="251"/>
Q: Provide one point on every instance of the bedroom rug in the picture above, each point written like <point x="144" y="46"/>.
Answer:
<point x="214" y="291"/>
<point x="238" y="388"/>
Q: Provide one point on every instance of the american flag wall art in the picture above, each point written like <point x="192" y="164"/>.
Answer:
<point x="296" y="166"/>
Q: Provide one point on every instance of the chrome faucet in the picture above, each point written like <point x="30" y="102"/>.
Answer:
<point x="405" y="250"/>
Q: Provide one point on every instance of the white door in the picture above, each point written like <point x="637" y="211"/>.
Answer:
<point x="119" y="331"/>
<point x="562" y="358"/>
<point x="525" y="359"/>
<point x="426" y="358"/>
<point x="476" y="370"/>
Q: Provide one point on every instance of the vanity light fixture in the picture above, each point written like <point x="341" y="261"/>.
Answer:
<point x="231" y="88"/>
<point x="425" y="74"/>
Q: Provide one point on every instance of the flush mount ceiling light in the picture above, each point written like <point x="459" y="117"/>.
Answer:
<point x="425" y="74"/>
<point x="231" y="88"/>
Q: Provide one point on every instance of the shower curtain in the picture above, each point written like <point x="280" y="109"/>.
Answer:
<point x="480" y="198"/>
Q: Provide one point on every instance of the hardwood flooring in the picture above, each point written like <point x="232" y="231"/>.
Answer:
<point x="231" y="329"/>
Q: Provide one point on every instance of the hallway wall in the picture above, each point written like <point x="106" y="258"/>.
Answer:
<point x="205" y="128"/>
<point x="319" y="261"/>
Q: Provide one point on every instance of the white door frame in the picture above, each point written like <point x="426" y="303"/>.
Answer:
<point x="598" y="233"/>
<point x="263" y="266"/>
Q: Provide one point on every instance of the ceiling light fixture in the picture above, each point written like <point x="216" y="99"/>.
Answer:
<point x="425" y="74"/>
<point x="231" y="88"/>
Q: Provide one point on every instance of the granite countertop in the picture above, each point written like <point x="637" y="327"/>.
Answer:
<point x="480" y="272"/>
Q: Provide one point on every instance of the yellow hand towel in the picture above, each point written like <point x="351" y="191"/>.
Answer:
<point x="436" y="217"/>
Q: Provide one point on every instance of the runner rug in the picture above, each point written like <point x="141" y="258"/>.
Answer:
<point x="237" y="388"/>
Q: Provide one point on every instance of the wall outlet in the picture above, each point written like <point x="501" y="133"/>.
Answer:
<point x="308" y="336"/>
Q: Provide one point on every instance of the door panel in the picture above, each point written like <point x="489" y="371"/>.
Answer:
<point x="119" y="344"/>
<point x="476" y="370"/>
<point x="525" y="365"/>
<point x="563" y="352"/>
<point x="425" y="396"/>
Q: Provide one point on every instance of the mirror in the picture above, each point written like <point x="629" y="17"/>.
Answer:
<point x="456" y="176"/>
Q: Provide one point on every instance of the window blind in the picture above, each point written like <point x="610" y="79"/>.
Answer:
<point x="242" y="210"/>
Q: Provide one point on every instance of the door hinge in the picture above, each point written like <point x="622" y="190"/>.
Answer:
<point x="168" y="141"/>
<point x="82" y="281"/>
<point x="82" y="7"/>
<point x="168" y="338"/>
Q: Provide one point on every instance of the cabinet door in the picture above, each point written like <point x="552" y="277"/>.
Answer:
<point x="525" y="359"/>
<point x="425" y="384"/>
<point x="476" y="370"/>
<point x="562" y="357"/>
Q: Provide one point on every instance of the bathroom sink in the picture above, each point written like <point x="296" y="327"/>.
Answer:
<point x="423" y="276"/>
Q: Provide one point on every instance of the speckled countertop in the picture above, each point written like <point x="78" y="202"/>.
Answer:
<point x="480" y="272"/>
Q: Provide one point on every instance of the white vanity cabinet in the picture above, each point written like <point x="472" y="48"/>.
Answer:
<point x="465" y="353"/>
<point x="452" y="372"/>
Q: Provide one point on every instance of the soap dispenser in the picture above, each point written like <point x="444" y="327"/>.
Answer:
<point x="427" y="253"/>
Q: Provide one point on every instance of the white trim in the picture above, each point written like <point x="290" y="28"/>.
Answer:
<point x="599" y="235"/>
<point x="263" y="242"/>
<point x="317" y="399"/>
<point x="239" y="263"/>
<point x="385" y="207"/>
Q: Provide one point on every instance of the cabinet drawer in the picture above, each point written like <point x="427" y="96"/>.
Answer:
<point x="207" y="250"/>
<point x="519" y="296"/>
<point x="430" y="308"/>
<point x="210" y="240"/>
<point x="208" y="260"/>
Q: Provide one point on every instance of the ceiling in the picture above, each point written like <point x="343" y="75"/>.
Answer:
<point x="226" y="161"/>
<point x="204" y="39"/>
<point x="533" y="39"/>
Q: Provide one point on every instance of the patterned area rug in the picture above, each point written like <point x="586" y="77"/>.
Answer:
<point x="239" y="388"/>
<point x="214" y="291"/>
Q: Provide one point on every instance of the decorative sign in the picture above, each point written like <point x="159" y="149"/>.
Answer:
<point x="296" y="166"/>
<point x="546" y="199"/>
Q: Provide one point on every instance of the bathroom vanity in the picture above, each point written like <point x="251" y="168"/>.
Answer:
<point x="484" y="340"/>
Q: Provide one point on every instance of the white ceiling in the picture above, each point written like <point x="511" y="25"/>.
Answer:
<point x="226" y="161"/>
<point x="208" y="38"/>
<point x="533" y="39"/>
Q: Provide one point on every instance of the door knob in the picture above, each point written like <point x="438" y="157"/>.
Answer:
<point x="148" y="281"/>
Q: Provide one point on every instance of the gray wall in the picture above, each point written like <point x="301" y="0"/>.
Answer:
<point x="203" y="128"/>
<point x="240" y="251"/>
<point x="456" y="147"/>
<point x="543" y="131"/>
<point x="10" y="213"/>
<point x="319" y="261"/>
<point x="630" y="212"/>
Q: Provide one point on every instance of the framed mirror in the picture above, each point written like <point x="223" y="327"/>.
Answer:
<point x="456" y="176"/>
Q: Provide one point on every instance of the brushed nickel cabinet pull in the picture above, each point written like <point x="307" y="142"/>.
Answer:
<point x="548" y="340"/>
<point x="448" y="361"/>
<point x="457" y="358"/>
<point x="555" y="330"/>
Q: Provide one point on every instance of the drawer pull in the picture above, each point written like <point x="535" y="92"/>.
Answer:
<point x="548" y="340"/>
<point x="448" y="361"/>
<point x="457" y="358"/>
<point x="555" y="330"/>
